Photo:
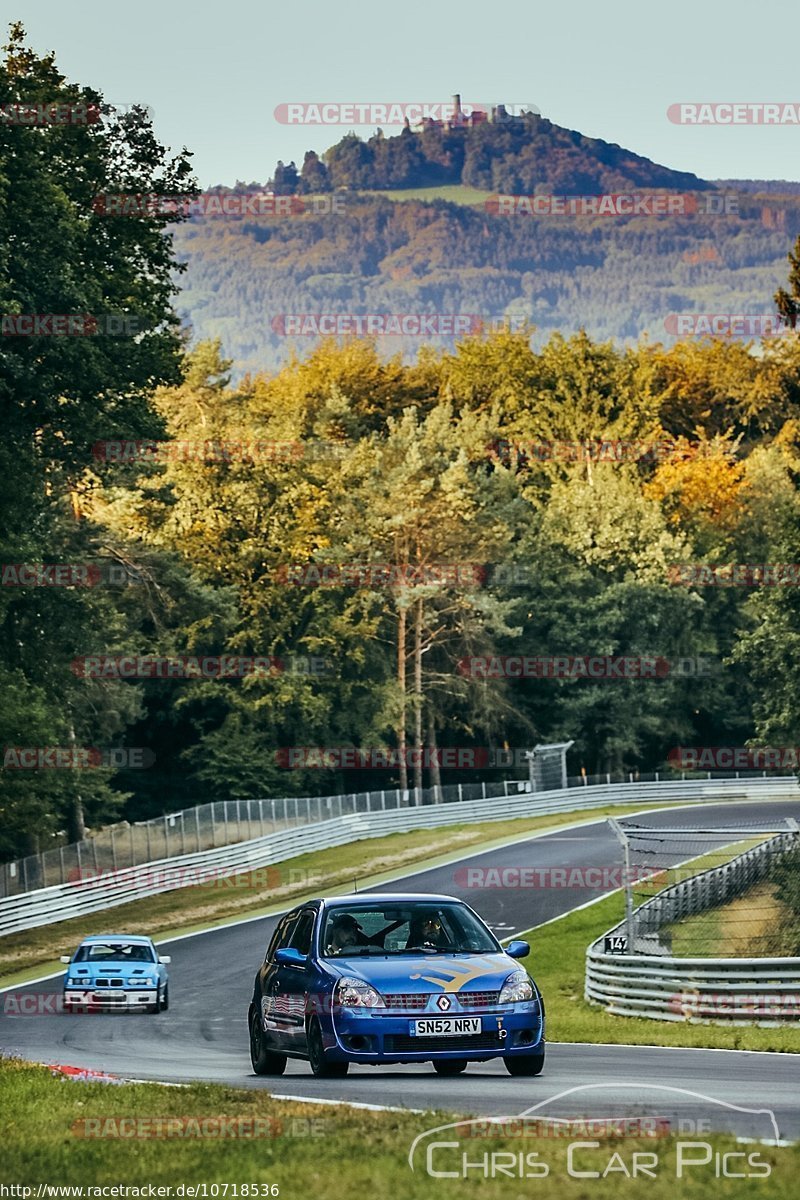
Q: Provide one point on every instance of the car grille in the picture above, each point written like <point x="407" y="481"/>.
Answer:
<point x="108" y="983"/>
<point x="401" y="1043"/>
<point x="409" y="1001"/>
<point x="418" y="1001"/>
<point x="478" y="999"/>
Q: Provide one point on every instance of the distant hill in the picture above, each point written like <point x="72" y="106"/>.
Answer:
<point x="516" y="154"/>
<point x="436" y="244"/>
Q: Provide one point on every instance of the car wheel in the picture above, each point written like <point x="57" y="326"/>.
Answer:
<point x="316" y="1055"/>
<point x="450" y="1066"/>
<point x="165" y="998"/>
<point x="525" y="1064"/>
<point x="264" y="1060"/>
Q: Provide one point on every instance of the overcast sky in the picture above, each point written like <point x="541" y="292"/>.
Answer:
<point x="214" y="73"/>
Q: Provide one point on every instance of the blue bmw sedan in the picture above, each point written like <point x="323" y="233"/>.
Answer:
<point x="393" y="978"/>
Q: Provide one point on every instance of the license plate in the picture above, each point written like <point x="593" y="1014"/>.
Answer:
<point x="437" y="1026"/>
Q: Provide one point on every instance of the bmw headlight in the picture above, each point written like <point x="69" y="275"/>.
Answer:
<point x="141" y="981"/>
<point x="355" y="993"/>
<point x="517" y="987"/>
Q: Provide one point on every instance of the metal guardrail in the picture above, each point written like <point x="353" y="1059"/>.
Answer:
<point x="764" y="991"/>
<point x="106" y="890"/>
<point x="226" y="822"/>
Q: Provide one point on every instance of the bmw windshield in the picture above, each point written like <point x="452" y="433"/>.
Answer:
<point x="410" y="929"/>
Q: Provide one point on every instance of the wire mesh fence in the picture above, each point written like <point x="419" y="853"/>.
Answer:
<point x="226" y="822"/>
<point x="731" y="892"/>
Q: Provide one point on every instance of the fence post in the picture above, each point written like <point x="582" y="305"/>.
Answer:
<point x="261" y="816"/>
<point x="460" y="792"/>
<point x="623" y="839"/>
<point x="113" y="848"/>
<point x="133" y="847"/>
<point x="197" y="823"/>
<point x="166" y="836"/>
<point x="183" y="834"/>
<point x="61" y="860"/>
<point x="274" y="820"/>
<point x="213" y="827"/>
<point x="93" y="844"/>
<point x="383" y="800"/>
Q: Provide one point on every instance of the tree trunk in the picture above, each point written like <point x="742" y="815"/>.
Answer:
<point x="76" y="826"/>
<point x="402" y="748"/>
<point x="418" y="703"/>
<point x="436" y="774"/>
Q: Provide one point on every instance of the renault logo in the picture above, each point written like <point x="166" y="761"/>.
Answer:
<point x="443" y="1003"/>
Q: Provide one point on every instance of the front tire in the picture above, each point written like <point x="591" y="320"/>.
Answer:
<point x="525" y="1064"/>
<point x="316" y="1055"/>
<point x="264" y="1060"/>
<point x="165" y="998"/>
<point x="450" y="1066"/>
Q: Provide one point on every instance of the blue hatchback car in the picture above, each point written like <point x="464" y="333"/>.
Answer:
<point x="393" y="978"/>
<point x="116" y="971"/>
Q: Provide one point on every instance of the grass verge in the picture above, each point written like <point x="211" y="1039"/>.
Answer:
<point x="310" y="1150"/>
<point x="270" y="889"/>
<point x="557" y="962"/>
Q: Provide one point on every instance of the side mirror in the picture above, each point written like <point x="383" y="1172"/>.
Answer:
<point x="517" y="949"/>
<point x="290" y="957"/>
<point x="65" y="958"/>
<point x="165" y="958"/>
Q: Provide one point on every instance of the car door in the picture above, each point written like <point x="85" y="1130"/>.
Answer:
<point x="274" y="1004"/>
<point x="293" y="981"/>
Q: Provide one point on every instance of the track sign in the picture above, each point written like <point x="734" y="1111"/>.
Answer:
<point x="615" y="943"/>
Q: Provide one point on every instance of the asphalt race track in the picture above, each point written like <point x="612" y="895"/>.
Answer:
<point x="204" y="1034"/>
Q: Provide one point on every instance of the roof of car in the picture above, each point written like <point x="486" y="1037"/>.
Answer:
<point x="388" y="898"/>
<point x="131" y="938"/>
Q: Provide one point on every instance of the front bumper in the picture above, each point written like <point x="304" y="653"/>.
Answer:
<point x="113" y="1000"/>
<point x="372" y="1036"/>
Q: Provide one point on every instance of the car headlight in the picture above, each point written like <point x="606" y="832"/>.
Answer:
<point x="141" y="981"/>
<point x="517" y="987"/>
<point x="355" y="993"/>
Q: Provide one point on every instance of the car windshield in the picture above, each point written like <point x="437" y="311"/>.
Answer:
<point x="416" y="928"/>
<point x="114" y="952"/>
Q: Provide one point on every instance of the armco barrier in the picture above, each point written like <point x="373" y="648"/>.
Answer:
<point x="763" y="991"/>
<point x="63" y="901"/>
